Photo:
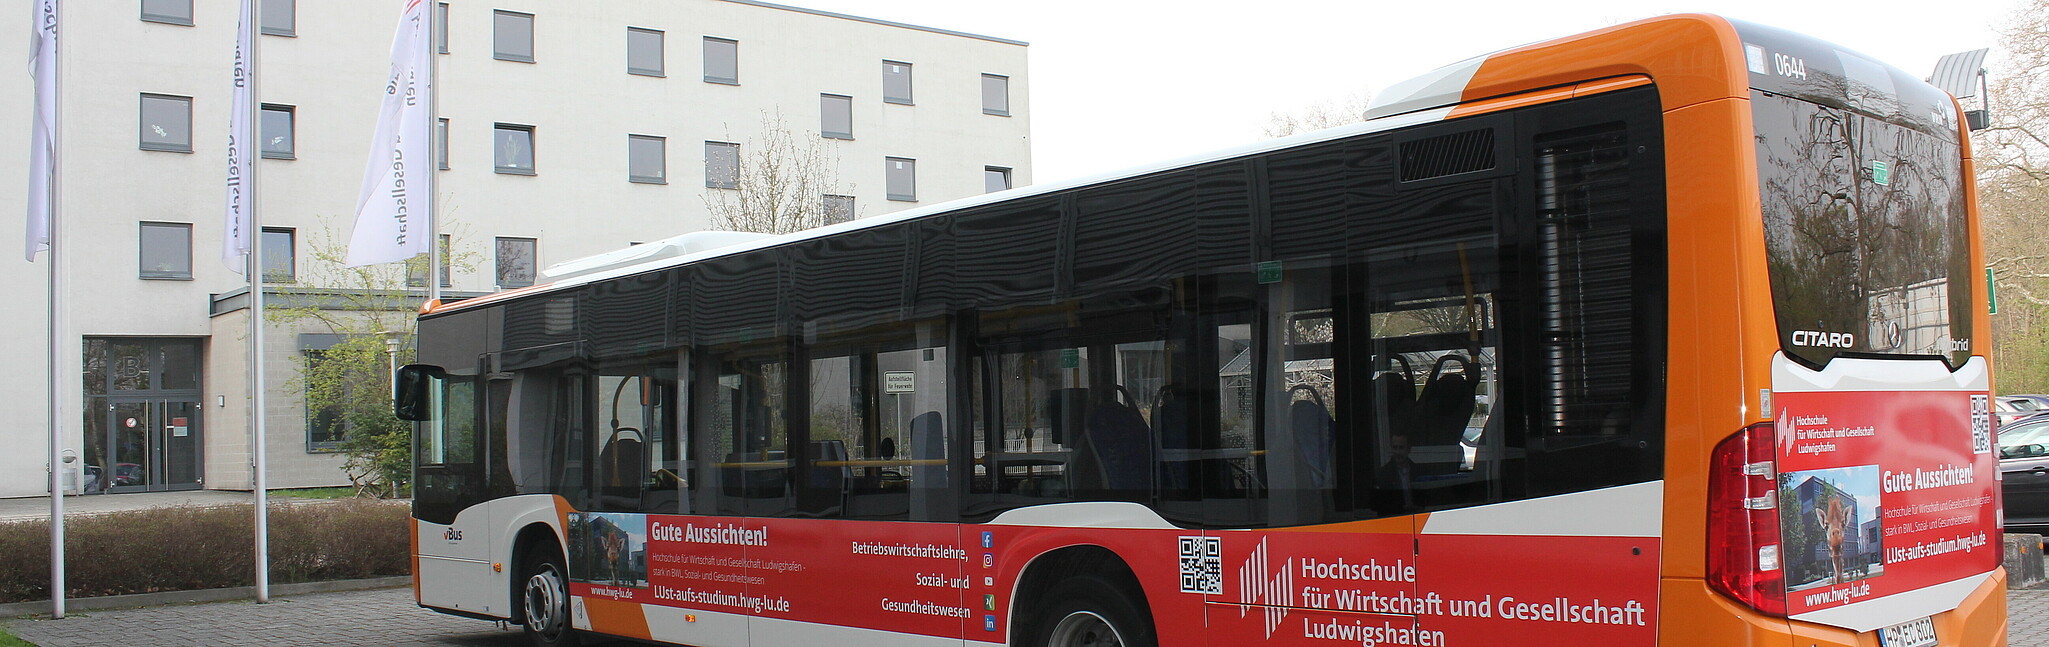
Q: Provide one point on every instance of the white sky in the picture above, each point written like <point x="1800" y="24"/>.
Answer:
<point x="1117" y="83"/>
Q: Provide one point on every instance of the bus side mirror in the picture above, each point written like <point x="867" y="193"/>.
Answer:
<point x="412" y="390"/>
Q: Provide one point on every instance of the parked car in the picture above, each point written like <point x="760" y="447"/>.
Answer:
<point x="2011" y="408"/>
<point x="128" y="474"/>
<point x="2024" y="466"/>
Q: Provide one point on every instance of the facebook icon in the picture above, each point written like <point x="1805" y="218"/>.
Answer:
<point x="988" y="539"/>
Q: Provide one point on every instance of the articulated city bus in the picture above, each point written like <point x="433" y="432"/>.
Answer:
<point x="1660" y="334"/>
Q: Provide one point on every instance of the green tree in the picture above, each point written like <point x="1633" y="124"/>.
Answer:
<point x="370" y="311"/>
<point x="2013" y="167"/>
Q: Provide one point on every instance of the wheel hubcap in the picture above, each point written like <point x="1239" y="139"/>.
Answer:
<point x="546" y="602"/>
<point x="1084" y="629"/>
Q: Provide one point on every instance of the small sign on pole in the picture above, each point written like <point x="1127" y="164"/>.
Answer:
<point x="899" y="382"/>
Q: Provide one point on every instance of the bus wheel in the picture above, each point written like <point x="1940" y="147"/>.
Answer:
<point x="545" y="596"/>
<point x="1087" y="611"/>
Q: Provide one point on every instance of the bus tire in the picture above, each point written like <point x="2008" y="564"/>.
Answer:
<point x="544" y="598"/>
<point x="1091" y="611"/>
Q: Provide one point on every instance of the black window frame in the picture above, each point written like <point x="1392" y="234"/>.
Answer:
<point x="142" y="123"/>
<point x="142" y="252"/>
<point x="166" y="18"/>
<point x="827" y="104"/>
<point x="661" y="158"/>
<point x="290" y="266"/>
<point x="291" y="114"/>
<point x="712" y="164"/>
<point x="498" y="36"/>
<point x="1004" y="109"/>
<point x="1009" y="180"/>
<point x="533" y="154"/>
<point x="712" y="43"/>
<point x="264" y="20"/>
<point x="889" y="168"/>
<point x="498" y="276"/>
<point x="661" y="62"/>
<point x="909" y="97"/>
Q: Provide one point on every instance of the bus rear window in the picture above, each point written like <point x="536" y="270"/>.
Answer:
<point x="1865" y="233"/>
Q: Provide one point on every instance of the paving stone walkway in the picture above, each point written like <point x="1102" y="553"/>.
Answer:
<point x="388" y="618"/>
<point x="2027" y="618"/>
<point x="380" y="618"/>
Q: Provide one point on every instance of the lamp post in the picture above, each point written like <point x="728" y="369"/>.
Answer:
<point x="392" y="340"/>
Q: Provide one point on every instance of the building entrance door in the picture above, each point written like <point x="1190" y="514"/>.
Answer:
<point x="142" y="415"/>
<point x="154" y="444"/>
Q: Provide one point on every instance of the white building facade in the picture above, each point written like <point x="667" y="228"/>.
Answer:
<point x="569" y="128"/>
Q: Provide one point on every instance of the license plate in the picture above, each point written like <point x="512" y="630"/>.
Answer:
<point x="1914" y="633"/>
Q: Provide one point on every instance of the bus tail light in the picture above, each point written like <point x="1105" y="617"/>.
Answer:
<point x="1743" y="521"/>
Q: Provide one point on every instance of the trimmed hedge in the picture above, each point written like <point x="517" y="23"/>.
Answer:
<point x="181" y="549"/>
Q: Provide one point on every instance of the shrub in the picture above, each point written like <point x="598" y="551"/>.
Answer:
<point x="180" y="549"/>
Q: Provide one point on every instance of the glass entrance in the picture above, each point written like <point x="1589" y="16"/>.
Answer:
<point x="153" y="445"/>
<point x="142" y="415"/>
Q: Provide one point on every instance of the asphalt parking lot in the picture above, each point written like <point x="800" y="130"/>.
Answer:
<point x="388" y="618"/>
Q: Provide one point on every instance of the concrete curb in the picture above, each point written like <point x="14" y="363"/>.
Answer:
<point x="204" y="595"/>
<point x="2024" y="561"/>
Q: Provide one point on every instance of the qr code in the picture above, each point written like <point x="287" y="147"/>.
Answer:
<point x="1202" y="565"/>
<point x="1981" y="424"/>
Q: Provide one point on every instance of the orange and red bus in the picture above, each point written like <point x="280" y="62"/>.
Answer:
<point x="1659" y="334"/>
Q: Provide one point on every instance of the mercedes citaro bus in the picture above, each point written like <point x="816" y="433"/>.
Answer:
<point x="1659" y="334"/>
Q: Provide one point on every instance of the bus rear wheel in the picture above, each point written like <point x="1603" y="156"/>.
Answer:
<point x="544" y="597"/>
<point x="1088" y="611"/>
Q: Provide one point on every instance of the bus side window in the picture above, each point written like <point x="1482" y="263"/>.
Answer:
<point x="748" y="436"/>
<point x="1299" y="463"/>
<point x="636" y="444"/>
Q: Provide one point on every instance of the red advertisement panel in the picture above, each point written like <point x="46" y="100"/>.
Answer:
<point x="893" y="576"/>
<point x="1311" y="588"/>
<point x="1497" y="590"/>
<point x="1882" y="492"/>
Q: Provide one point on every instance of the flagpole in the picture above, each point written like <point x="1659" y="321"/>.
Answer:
<point x="56" y="337"/>
<point x="257" y="386"/>
<point x="433" y="154"/>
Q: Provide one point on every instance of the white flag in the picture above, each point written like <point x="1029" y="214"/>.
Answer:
<point x="392" y="210"/>
<point x="242" y="144"/>
<point x="42" y="174"/>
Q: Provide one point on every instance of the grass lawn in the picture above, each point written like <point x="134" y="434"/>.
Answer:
<point x="308" y="493"/>
<point x="8" y="640"/>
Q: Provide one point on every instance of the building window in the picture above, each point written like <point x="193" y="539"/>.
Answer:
<point x="512" y="36"/>
<point x="722" y="165"/>
<point x="995" y="95"/>
<point x="644" y="51"/>
<point x="721" y="61"/>
<point x="516" y="262"/>
<point x="902" y="179"/>
<point x="280" y="17"/>
<point x="175" y="12"/>
<point x="896" y="82"/>
<point x="166" y="250"/>
<point x="441" y="143"/>
<point x="279" y="255"/>
<point x="328" y="386"/>
<point x="647" y="159"/>
<point x="838" y="209"/>
<point x="416" y="267"/>
<point x="166" y="123"/>
<point x="838" y="120"/>
<point x="277" y="128"/>
<point x="512" y="147"/>
<point x="441" y="28"/>
<point x="995" y="178"/>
